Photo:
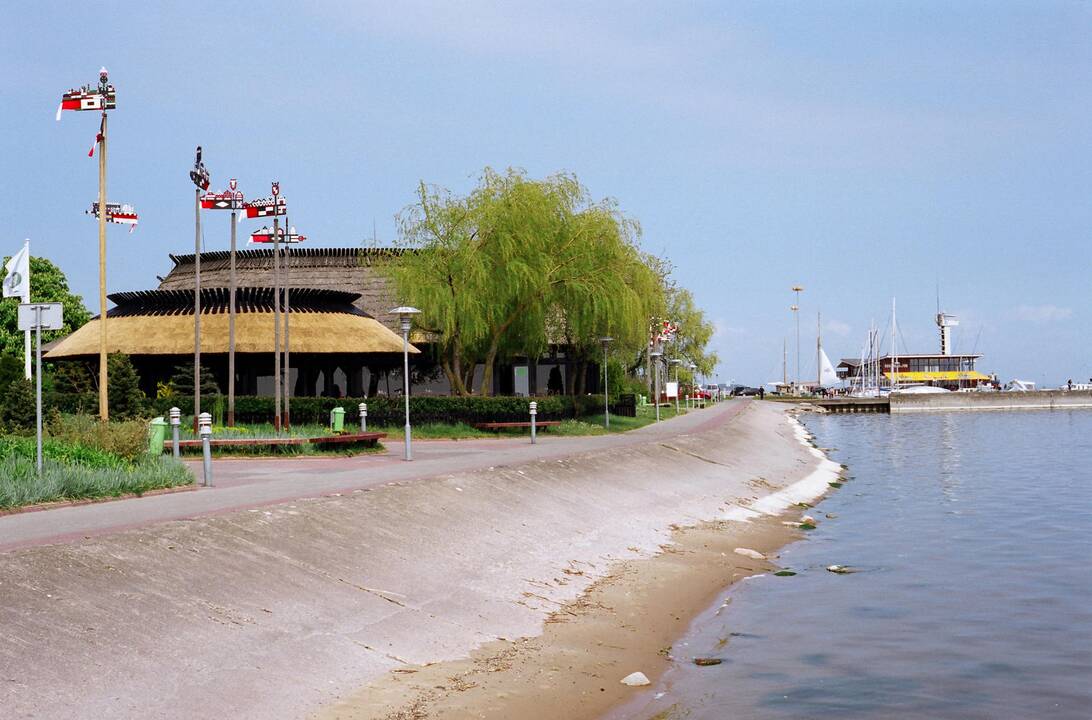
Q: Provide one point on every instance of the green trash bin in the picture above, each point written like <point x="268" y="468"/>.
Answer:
<point x="337" y="419"/>
<point x="157" y="435"/>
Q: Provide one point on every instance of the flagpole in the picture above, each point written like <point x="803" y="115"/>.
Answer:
<point x="197" y="305"/>
<point x="231" y="320"/>
<point x="104" y="403"/>
<point x="276" y="320"/>
<point x="286" y="422"/>
<point x="26" y="299"/>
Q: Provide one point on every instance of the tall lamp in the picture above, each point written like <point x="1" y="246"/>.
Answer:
<point x="405" y="314"/>
<point x="606" y="400"/>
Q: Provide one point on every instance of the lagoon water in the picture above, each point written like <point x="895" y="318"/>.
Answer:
<point x="971" y="533"/>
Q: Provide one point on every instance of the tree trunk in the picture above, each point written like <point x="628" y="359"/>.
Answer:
<point x="581" y="376"/>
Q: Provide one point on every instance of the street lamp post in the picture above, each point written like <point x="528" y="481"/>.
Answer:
<point x="606" y="399"/>
<point x="796" y="313"/>
<point x="655" y="354"/>
<point x="405" y="314"/>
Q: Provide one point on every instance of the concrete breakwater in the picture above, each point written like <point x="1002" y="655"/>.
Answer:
<point x="1037" y="400"/>
<point x="275" y="611"/>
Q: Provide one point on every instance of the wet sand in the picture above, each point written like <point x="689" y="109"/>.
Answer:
<point x="625" y="622"/>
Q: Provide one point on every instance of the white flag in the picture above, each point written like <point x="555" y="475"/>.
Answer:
<point x="17" y="277"/>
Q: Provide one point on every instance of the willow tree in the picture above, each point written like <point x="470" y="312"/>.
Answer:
<point x="515" y="265"/>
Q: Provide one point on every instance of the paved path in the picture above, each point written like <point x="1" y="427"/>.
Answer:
<point x="256" y="482"/>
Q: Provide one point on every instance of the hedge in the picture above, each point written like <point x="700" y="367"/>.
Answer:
<point x="386" y="410"/>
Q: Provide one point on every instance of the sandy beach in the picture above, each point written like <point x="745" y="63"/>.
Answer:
<point x="625" y="622"/>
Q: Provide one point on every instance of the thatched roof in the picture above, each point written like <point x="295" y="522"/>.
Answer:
<point x="158" y="322"/>
<point x="351" y="270"/>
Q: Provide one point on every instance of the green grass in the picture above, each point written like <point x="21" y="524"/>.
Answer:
<point x="20" y="484"/>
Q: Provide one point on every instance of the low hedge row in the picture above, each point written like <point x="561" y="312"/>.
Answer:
<point x="384" y="410"/>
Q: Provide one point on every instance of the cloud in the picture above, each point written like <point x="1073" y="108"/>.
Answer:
<point x="1043" y="313"/>
<point x="837" y="327"/>
<point x="722" y="329"/>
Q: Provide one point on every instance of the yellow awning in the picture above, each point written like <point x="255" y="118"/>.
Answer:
<point x="938" y="376"/>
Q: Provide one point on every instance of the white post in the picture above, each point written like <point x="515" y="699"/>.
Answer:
<point x="534" y="412"/>
<point x="363" y="417"/>
<point x="176" y="421"/>
<point x="38" y="381"/>
<point x="204" y="422"/>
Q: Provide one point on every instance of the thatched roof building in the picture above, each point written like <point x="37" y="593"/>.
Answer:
<point x="329" y="336"/>
<point x="350" y="270"/>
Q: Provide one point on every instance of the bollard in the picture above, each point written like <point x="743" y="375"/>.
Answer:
<point x="534" y="412"/>
<point x="363" y="417"/>
<point x="204" y="424"/>
<point x="176" y="422"/>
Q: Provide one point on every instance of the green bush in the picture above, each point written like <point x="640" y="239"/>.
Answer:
<point x="126" y="399"/>
<point x="64" y="452"/>
<point x="126" y="439"/>
<point x="386" y="410"/>
<point x="18" y="406"/>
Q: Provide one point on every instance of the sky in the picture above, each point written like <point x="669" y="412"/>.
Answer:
<point x="866" y="151"/>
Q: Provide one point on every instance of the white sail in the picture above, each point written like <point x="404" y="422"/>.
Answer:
<point x="828" y="377"/>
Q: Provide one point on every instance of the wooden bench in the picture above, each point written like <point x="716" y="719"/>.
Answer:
<point x="367" y="439"/>
<point x="506" y="425"/>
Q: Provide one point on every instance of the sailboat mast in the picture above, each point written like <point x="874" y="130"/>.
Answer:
<point x="894" y="350"/>
<point x="818" y="350"/>
<point x="784" y="361"/>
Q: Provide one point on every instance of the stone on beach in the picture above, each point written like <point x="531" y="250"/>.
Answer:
<point x="840" y="569"/>
<point x="706" y="662"/>
<point x="748" y="552"/>
<point x="636" y="679"/>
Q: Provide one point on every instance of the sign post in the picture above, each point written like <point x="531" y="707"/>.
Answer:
<point x="36" y="316"/>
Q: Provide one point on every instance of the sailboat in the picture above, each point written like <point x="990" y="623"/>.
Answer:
<point x="826" y="376"/>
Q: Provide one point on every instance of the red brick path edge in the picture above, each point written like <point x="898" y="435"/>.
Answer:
<point x="91" y="501"/>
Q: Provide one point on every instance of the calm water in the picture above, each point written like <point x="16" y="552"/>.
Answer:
<point x="974" y="598"/>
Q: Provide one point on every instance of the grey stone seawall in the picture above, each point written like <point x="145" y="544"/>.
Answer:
<point x="1038" y="400"/>
<point x="272" y="612"/>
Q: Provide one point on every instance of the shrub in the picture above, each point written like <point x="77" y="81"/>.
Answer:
<point x="126" y="399"/>
<point x="126" y="439"/>
<point x="26" y="447"/>
<point x="18" y="406"/>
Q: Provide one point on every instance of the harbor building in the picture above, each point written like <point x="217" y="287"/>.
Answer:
<point x="951" y="372"/>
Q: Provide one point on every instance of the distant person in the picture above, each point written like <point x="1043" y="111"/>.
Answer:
<point x="762" y="393"/>
<point x="1069" y="384"/>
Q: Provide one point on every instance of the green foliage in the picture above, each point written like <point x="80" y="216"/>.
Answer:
<point x="126" y="439"/>
<point x="11" y="369"/>
<point x="518" y="264"/>
<point x="18" y="405"/>
<point x="47" y="284"/>
<point x="20" y="484"/>
<point x="126" y="399"/>
<point x="52" y="449"/>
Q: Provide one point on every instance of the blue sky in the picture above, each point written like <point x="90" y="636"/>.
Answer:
<point x="864" y="150"/>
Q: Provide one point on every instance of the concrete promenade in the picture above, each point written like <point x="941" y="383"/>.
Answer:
<point x="245" y="483"/>
<point x="295" y="583"/>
